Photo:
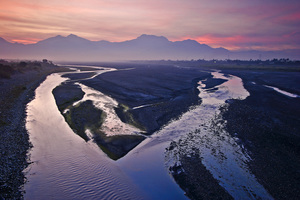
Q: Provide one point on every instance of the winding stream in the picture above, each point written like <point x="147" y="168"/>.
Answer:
<point x="219" y="151"/>
<point x="283" y="92"/>
<point x="66" y="167"/>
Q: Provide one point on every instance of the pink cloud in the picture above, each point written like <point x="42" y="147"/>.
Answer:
<point x="239" y="42"/>
<point x="232" y="24"/>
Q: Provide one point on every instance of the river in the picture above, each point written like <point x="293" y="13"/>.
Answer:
<point x="66" y="167"/>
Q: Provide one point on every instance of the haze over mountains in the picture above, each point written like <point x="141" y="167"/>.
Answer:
<point x="145" y="47"/>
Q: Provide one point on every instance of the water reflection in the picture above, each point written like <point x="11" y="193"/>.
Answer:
<point x="65" y="166"/>
<point x="283" y="92"/>
<point x="219" y="152"/>
<point x="112" y="124"/>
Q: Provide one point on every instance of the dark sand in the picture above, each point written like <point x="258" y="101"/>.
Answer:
<point x="198" y="183"/>
<point x="66" y="94"/>
<point x="16" y="92"/>
<point x="86" y="116"/>
<point x="268" y="125"/>
<point x="168" y="91"/>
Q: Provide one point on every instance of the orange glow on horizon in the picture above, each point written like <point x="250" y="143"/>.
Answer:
<point x="239" y="42"/>
<point x="25" y="41"/>
<point x="229" y="42"/>
<point x="234" y="25"/>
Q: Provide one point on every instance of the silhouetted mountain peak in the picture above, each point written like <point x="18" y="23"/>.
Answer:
<point x="63" y="40"/>
<point x="2" y="40"/>
<point x="149" y="47"/>
<point x="104" y="42"/>
<point x="56" y="37"/>
<point x="192" y="42"/>
<point x="152" y="38"/>
<point x="72" y="36"/>
<point x="51" y="39"/>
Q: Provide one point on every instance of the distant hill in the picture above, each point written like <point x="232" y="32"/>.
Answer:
<point x="145" y="47"/>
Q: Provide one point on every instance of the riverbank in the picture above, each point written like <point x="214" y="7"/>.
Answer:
<point x="267" y="124"/>
<point x="17" y="89"/>
<point x="216" y="156"/>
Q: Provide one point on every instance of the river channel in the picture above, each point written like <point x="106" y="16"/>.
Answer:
<point x="64" y="166"/>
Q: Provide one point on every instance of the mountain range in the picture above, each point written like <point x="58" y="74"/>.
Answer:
<point x="144" y="47"/>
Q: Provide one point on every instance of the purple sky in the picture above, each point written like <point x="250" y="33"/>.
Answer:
<point x="233" y="24"/>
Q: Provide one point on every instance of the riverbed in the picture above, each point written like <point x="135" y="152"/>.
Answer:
<point x="218" y="151"/>
<point x="66" y="167"/>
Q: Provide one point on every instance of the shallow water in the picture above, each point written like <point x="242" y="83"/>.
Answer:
<point x="218" y="150"/>
<point x="283" y="92"/>
<point x="66" y="167"/>
<point x="112" y="124"/>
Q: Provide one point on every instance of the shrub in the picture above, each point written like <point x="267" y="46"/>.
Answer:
<point x="6" y="71"/>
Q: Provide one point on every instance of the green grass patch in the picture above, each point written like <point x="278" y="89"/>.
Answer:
<point x="85" y="116"/>
<point x="123" y="112"/>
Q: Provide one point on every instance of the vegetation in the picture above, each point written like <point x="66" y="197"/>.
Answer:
<point x="8" y="68"/>
<point x="6" y="71"/>
<point x="84" y="116"/>
<point x="272" y="65"/>
<point x="126" y="116"/>
<point x="18" y="80"/>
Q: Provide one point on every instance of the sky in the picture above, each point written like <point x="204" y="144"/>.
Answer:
<point x="232" y="24"/>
